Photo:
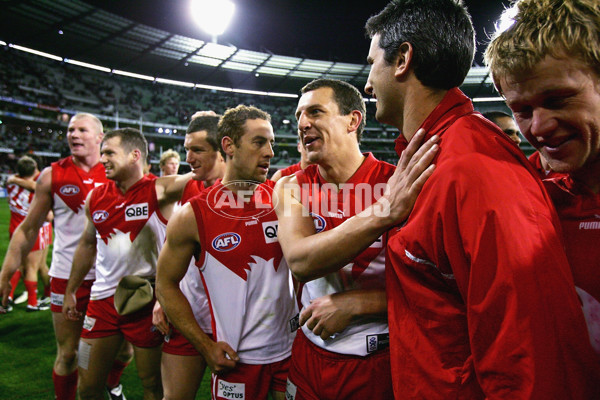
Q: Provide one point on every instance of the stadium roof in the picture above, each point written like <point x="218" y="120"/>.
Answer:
<point x="110" y="34"/>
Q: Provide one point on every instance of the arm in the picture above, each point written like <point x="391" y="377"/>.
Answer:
<point x="311" y="255"/>
<point x="181" y="243"/>
<point x="83" y="260"/>
<point x="330" y="314"/>
<point x="28" y="184"/>
<point x="169" y="190"/>
<point x="26" y="234"/>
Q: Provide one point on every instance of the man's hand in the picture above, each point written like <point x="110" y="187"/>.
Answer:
<point x="159" y="319"/>
<point x="220" y="357"/>
<point x="412" y="172"/>
<point x="5" y="288"/>
<point x="327" y="315"/>
<point x="69" y="309"/>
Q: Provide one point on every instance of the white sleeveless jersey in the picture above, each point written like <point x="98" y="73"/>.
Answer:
<point x="247" y="280"/>
<point x="130" y="233"/>
<point x="70" y="187"/>
<point x="367" y="271"/>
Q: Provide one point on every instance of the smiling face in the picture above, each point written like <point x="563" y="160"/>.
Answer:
<point x="251" y="156"/>
<point x="116" y="159"/>
<point x="321" y="128"/>
<point x="557" y="107"/>
<point x="382" y="85"/>
<point x="201" y="156"/>
<point x="84" y="136"/>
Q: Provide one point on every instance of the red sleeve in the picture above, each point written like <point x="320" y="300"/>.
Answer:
<point x="527" y="333"/>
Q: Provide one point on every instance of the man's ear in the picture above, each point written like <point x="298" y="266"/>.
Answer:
<point x="357" y="118"/>
<point x="404" y="60"/>
<point x="228" y="145"/>
<point x="136" y="155"/>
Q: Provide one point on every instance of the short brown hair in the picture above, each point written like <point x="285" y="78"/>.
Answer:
<point x="131" y="139"/>
<point x="232" y="122"/>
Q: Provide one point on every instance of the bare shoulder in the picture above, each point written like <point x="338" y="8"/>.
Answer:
<point x="183" y="225"/>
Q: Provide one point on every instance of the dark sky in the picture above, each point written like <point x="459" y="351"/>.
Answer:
<point x="319" y="29"/>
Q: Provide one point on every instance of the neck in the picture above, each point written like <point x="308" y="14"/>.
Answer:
<point x="420" y="101"/>
<point x="342" y="167"/>
<point x="218" y="172"/>
<point x="589" y="175"/>
<point x="131" y="180"/>
<point x="88" y="162"/>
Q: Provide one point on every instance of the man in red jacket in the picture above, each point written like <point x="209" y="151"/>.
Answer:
<point x="470" y="317"/>
<point x="550" y="78"/>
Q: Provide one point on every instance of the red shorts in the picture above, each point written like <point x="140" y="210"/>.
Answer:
<point x="249" y="381"/>
<point x="102" y="320"/>
<point x="43" y="240"/>
<point x="318" y="374"/>
<point x="57" y="294"/>
<point x="175" y="343"/>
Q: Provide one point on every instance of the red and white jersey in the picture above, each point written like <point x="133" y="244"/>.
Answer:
<point x="329" y="208"/>
<point x="70" y="187"/>
<point x="130" y="232"/>
<point x="191" y="285"/>
<point x="19" y="201"/>
<point x="579" y="212"/>
<point x="247" y="280"/>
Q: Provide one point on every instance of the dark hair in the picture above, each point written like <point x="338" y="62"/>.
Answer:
<point x="208" y="123"/>
<point x="26" y="167"/>
<point x="494" y="115"/>
<point x="131" y="139"/>
<point x="347" y="97"/>
<point x="232" y="123"/>
<point x="440" y="32"/>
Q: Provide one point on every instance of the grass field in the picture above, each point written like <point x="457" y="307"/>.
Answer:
<point x="28" y="349"/>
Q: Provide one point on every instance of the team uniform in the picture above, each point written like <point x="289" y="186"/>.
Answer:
<point x="291" y="169"/>
<point x="19" y="201"/>
<point x="69" y="188"/>
<point x="470" y="253"/>
<point x="249" y="288"/>
<point x="579" y="212"/>
<point x="535" y="160"/>
<point x="130" y="231"/>
<point x="193" y="289"/>
<point x="327" y="369"/>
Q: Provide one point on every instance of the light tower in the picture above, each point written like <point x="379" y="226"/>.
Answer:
<point x="212" y="16"/>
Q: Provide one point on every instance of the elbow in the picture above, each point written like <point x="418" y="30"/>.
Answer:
<point x="300" y="271"/>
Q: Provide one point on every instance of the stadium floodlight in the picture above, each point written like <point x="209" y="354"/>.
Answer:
<point x="212" y="16"/>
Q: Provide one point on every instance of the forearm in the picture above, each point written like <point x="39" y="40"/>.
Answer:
<point x="24" y="183"/>
<point x="177" y="308"/>
<point x="365" y="302"/>
<point x="319" y="254"/>
<point x="21" y="243"/>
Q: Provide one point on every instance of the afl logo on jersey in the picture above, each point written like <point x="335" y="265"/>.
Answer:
<point x="319" y="221"/>
<point x="99" y="216"/>
<point x="69" y="190"/>
<point x="226" y="241"/>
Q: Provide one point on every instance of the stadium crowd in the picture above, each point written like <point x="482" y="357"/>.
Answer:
<point x="464" y="270"/>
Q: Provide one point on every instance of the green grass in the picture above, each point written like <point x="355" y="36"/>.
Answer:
<point x="28" y="348"/>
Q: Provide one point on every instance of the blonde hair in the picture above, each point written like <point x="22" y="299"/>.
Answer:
<point x="558" y="28"/>
<point x="168" y="154"/>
